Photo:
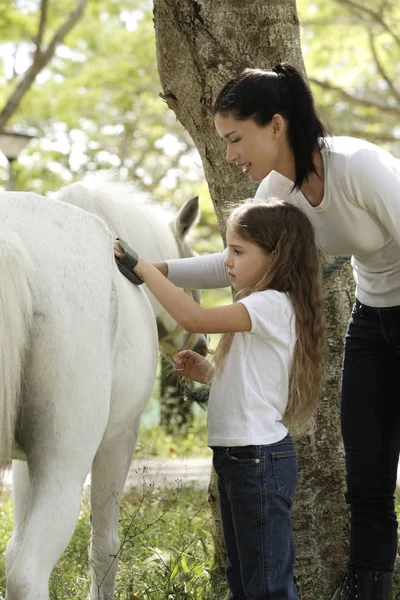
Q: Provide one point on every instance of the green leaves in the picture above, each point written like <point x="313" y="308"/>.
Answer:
<point x="351" y="50"/>
<point x="97" y="104"/>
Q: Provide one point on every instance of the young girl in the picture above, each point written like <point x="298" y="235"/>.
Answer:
<point x="266" y="375"/>
<point x="350" y="190"/>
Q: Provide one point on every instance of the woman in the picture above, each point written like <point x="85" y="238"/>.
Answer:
<point x="350" y="190"/>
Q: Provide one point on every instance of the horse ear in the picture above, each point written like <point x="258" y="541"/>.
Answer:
<point x="187" y="216"/>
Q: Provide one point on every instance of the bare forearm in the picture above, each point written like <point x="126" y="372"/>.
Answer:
<point x="195" y="319"/>
<point x="162" y="267"/>
<point x="182" y="308"/>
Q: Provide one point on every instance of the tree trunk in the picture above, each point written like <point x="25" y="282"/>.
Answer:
<point x="200" y="45"/>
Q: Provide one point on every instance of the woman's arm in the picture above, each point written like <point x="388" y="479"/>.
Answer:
<point x="199" y="272"/>
<point x="184" y="310"/>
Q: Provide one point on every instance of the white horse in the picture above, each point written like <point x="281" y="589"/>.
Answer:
<point x="78" y="355"/>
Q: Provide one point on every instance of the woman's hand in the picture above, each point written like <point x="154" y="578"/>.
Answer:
<point x="192" y="365"/>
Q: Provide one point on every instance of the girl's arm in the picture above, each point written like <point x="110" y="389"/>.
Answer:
<point x="162" y="267"/>
<point x="193" y="317"/>
<point x="187" y="312"/>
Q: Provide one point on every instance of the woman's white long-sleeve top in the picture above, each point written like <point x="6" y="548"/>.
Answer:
<point x="359" y="215"/>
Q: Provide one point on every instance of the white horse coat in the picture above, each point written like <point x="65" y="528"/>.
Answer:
<point x="148" y="229"/>
<point x="78" y="356"/>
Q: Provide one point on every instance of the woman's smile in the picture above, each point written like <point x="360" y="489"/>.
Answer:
<point x="245" y="167"/>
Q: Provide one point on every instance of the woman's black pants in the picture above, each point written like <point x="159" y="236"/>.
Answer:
<point x="370" y="414"/>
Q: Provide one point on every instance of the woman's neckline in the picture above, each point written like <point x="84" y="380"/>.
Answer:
<point x="317" y="200"/>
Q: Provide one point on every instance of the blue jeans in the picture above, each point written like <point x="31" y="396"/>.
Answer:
<point x="370" y="414"/>
<point x="256" y="489"/>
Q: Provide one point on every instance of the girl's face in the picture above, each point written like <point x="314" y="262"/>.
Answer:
<point x="247" y="263"/>
<point x="253" y="148"/>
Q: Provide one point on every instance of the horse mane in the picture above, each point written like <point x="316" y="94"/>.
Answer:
<point x="131" y="214"/>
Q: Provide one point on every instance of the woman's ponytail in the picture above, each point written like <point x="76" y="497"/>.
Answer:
<point x="305" y="130"/>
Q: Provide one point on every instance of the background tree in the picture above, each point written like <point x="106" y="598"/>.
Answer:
<point x="356" y="80"/>
<point x="200" y="45"/>
<point x="95" y="103"/>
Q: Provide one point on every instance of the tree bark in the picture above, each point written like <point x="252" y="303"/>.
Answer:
<point x="200" y="45"/>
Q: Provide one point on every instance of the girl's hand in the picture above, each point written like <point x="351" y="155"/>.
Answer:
<point x="140" y="266"/>
<point x="192" y="365"/>
<point x="117" y="249"/>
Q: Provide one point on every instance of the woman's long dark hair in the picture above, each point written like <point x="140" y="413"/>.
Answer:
<point x="259" y="94"/>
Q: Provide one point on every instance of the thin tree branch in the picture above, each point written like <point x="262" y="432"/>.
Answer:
<point x="373" y="137"/>
<point x="42" y="27"/>
<point x="14" y="68"/>
<point x="395" y="110"/>
<point x="380" y="67"/>
<point x="351" y="19"/>
<point x="383" y="6"/>
<point x="40" y="60"/>
<point x="174" y="165"/>
<point x="64" y="29"/>
<point x="375" y="16"/>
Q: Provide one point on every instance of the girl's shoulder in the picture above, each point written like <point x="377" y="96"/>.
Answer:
<point x="272" y="296"/>
<point x="270" y="312"/>
<point x="270" y="302"/>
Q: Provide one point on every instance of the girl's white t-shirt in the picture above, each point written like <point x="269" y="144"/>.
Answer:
<point x="249" y="397"/>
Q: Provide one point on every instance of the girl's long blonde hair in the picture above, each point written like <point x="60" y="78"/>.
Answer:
<point x="282" y="229"/>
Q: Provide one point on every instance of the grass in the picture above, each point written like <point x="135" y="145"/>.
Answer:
<point x="166" y="546"/>
<point x="166" y="549"/>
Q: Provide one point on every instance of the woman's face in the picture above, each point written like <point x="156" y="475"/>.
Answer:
<point x="253" y="148"/>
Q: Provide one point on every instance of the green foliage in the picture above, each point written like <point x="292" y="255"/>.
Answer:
<point x="351" y="51"/>
<point x="192" y="441"/>
<point x="97" y="103"/>
<point x="18" y="24"/>
<point x="97" y="106"/>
